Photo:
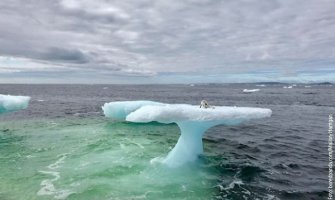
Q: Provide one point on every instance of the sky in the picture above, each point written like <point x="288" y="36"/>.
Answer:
<point x="160" y="41"/>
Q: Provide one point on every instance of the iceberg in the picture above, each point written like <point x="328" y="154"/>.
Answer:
<point x="10" y="103"/>
<point x="192" y="120"/>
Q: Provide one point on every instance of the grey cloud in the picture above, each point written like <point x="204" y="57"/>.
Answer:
<point x="143" y="37"/>
<point x="65" y="55"/>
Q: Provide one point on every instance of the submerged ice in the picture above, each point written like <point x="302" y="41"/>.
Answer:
<point x="192" y="121"/>
<point x="10" y="103"/>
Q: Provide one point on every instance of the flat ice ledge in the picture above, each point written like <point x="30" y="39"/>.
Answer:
<point x="169" y="113"/>
<point x="192" y="120"/>
<point x="10" y="103"/>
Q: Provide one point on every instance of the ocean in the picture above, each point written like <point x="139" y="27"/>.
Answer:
<point x="62" y="146"/>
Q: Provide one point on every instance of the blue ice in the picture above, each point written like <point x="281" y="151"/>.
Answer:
<point x="10" y="103"/>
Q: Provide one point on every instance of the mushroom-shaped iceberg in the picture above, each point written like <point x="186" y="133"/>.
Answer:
<point x="192" y="121"/>
<point x="10" y="103"/>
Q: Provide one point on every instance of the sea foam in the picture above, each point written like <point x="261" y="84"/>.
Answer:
<point x="192" y="120"/>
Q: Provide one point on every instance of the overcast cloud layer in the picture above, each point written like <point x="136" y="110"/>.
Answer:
<point x="148" y="41"/>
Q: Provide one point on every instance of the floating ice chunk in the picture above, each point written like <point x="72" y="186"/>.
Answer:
<point x="192" y="121"/>
<point x="120" y="109"/>
<point x="251" y="90"/>
<point x="13" y="103"/>
<point x="288" y="87"/>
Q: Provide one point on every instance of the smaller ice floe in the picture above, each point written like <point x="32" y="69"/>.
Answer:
<point x="192" y="85"/>
<point x="10" y="103"/>
<point x="261" y="85"/>
<point x="105" y="88"/>
<point x="251" y="90"/>
<point x="307" y="86"/>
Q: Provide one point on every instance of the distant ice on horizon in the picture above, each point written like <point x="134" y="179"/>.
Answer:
<point x="250" y="90"/>
<point x="288" y="87"/>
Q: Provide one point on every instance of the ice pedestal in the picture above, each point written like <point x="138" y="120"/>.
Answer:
<point x="189" y="144"/>
<point x="192" y="121"/>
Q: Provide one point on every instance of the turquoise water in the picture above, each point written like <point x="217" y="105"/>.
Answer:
<point x="62" y="146"/>
<point x="96" y="159"/>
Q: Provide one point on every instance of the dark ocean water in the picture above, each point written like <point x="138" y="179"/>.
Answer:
<point x="281" y="157"/>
